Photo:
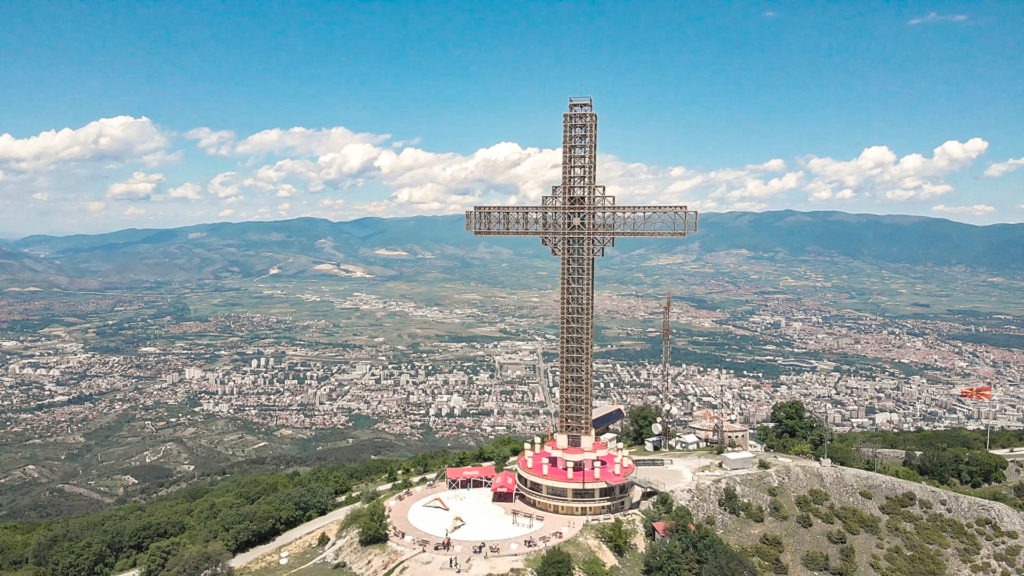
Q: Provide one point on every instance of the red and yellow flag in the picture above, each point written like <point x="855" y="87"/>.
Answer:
<point x="977" y="393"/>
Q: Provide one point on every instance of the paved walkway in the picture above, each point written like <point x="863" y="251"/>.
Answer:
<point x="290" y="536"/>
<point x="302" y="530"/>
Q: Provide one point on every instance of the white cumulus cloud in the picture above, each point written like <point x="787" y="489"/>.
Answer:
<point x="120" y="140"/>
<point x="295" y="140"/>
<point x="225" y="185"/>
<point x="215" y="142"/>
<point x="187" y="191"/>
<point x="975" y="210"/>
<point x="999" y="168"/>
<point x="879" y="173"/>
<point x="378" y="176"/>
<point x="139" y="187"/>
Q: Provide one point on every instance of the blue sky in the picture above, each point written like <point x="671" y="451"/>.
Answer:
<point x="125" y="114"/>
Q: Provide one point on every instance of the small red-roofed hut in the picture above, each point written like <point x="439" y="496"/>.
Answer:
<point x="662" y="530"/>
<point x="469" y="477"/>
<point x="504" y="487"/>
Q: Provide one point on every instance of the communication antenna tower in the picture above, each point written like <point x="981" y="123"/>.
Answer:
<point x="721" y="403"/>
<point x="666" y="342"/>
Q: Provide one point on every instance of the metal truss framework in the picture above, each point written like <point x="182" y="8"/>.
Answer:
<point x="578" y="221"/>
<point x="666" y="341"/>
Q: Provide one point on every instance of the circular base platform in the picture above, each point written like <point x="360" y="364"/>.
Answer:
<point x="481" y="519"/>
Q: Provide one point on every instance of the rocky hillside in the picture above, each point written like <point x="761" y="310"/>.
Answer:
<point x="865" y="523"/>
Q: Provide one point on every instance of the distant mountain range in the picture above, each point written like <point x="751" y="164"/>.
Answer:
<point x="396" y="247"/>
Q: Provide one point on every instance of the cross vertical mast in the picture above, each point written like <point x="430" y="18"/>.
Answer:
<point x="578" y="221"/>
<point x="579" y="163"/>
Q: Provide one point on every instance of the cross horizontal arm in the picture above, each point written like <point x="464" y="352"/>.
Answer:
<point x="617" y="221"/>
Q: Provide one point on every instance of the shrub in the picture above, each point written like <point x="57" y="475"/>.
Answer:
<point x="755" y="512"/>
<point x="854" y="520"/>
<point x="824" y="514"/>
<point x="592" y="566"/>
<point x="837" y="537"/>
<point x="772" y="542"/>
<point x="373" y="526"/>
<point x="768" y="549"/>
<point x="555" y="562"/>
<point x="847" y="562"/>
<point x="617" y="535"/>
<point x="776" y="510"/>
<point x="730" y="501"/>
<point x="895" y="504"/>
<point x="804" y="520"/>
<point x="818" y="496"/>
<point x="764" y="553"/>
<point x="815" y="561"/>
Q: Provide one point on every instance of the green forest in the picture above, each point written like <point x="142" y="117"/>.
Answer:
<point x="198" y="528"/>
<point x="955" y="458"/>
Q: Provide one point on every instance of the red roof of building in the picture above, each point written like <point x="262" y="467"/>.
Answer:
<point x="661" y="528"/>
<point x="470" y="472"/>
<point x="504" y="482"/>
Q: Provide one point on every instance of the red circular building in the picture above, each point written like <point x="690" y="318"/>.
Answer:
<point x="591" y="479"/>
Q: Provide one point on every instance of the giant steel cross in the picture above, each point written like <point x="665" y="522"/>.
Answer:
<point x="578" y="221"/>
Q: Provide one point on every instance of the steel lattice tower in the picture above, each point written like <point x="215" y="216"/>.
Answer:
<point x="666" y="341"/>
<point x="578" y="221"/>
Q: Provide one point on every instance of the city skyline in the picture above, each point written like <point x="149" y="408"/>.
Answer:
<point x="163" y="115"/>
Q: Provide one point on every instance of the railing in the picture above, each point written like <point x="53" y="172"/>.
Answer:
<point x="567" y="500"/>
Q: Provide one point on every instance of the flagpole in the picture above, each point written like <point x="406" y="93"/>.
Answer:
<point x="981" y="393"/>
<point x="988" y="435"/>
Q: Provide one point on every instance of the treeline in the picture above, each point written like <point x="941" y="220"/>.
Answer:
<point x="197" y="529"/>
<point x="954" y="458"/>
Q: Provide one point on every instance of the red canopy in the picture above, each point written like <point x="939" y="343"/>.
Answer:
<point x="504" y="482"/>
<point x="470" y="472"/>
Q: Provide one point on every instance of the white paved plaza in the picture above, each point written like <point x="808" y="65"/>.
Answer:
<point x="482" y="519"/>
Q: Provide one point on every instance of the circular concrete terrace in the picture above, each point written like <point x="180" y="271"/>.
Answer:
<point x="419" y="519"/>
<point x="468" y="515"/>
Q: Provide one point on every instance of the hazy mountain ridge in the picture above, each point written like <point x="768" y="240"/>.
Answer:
<point x="396" y="246"/>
